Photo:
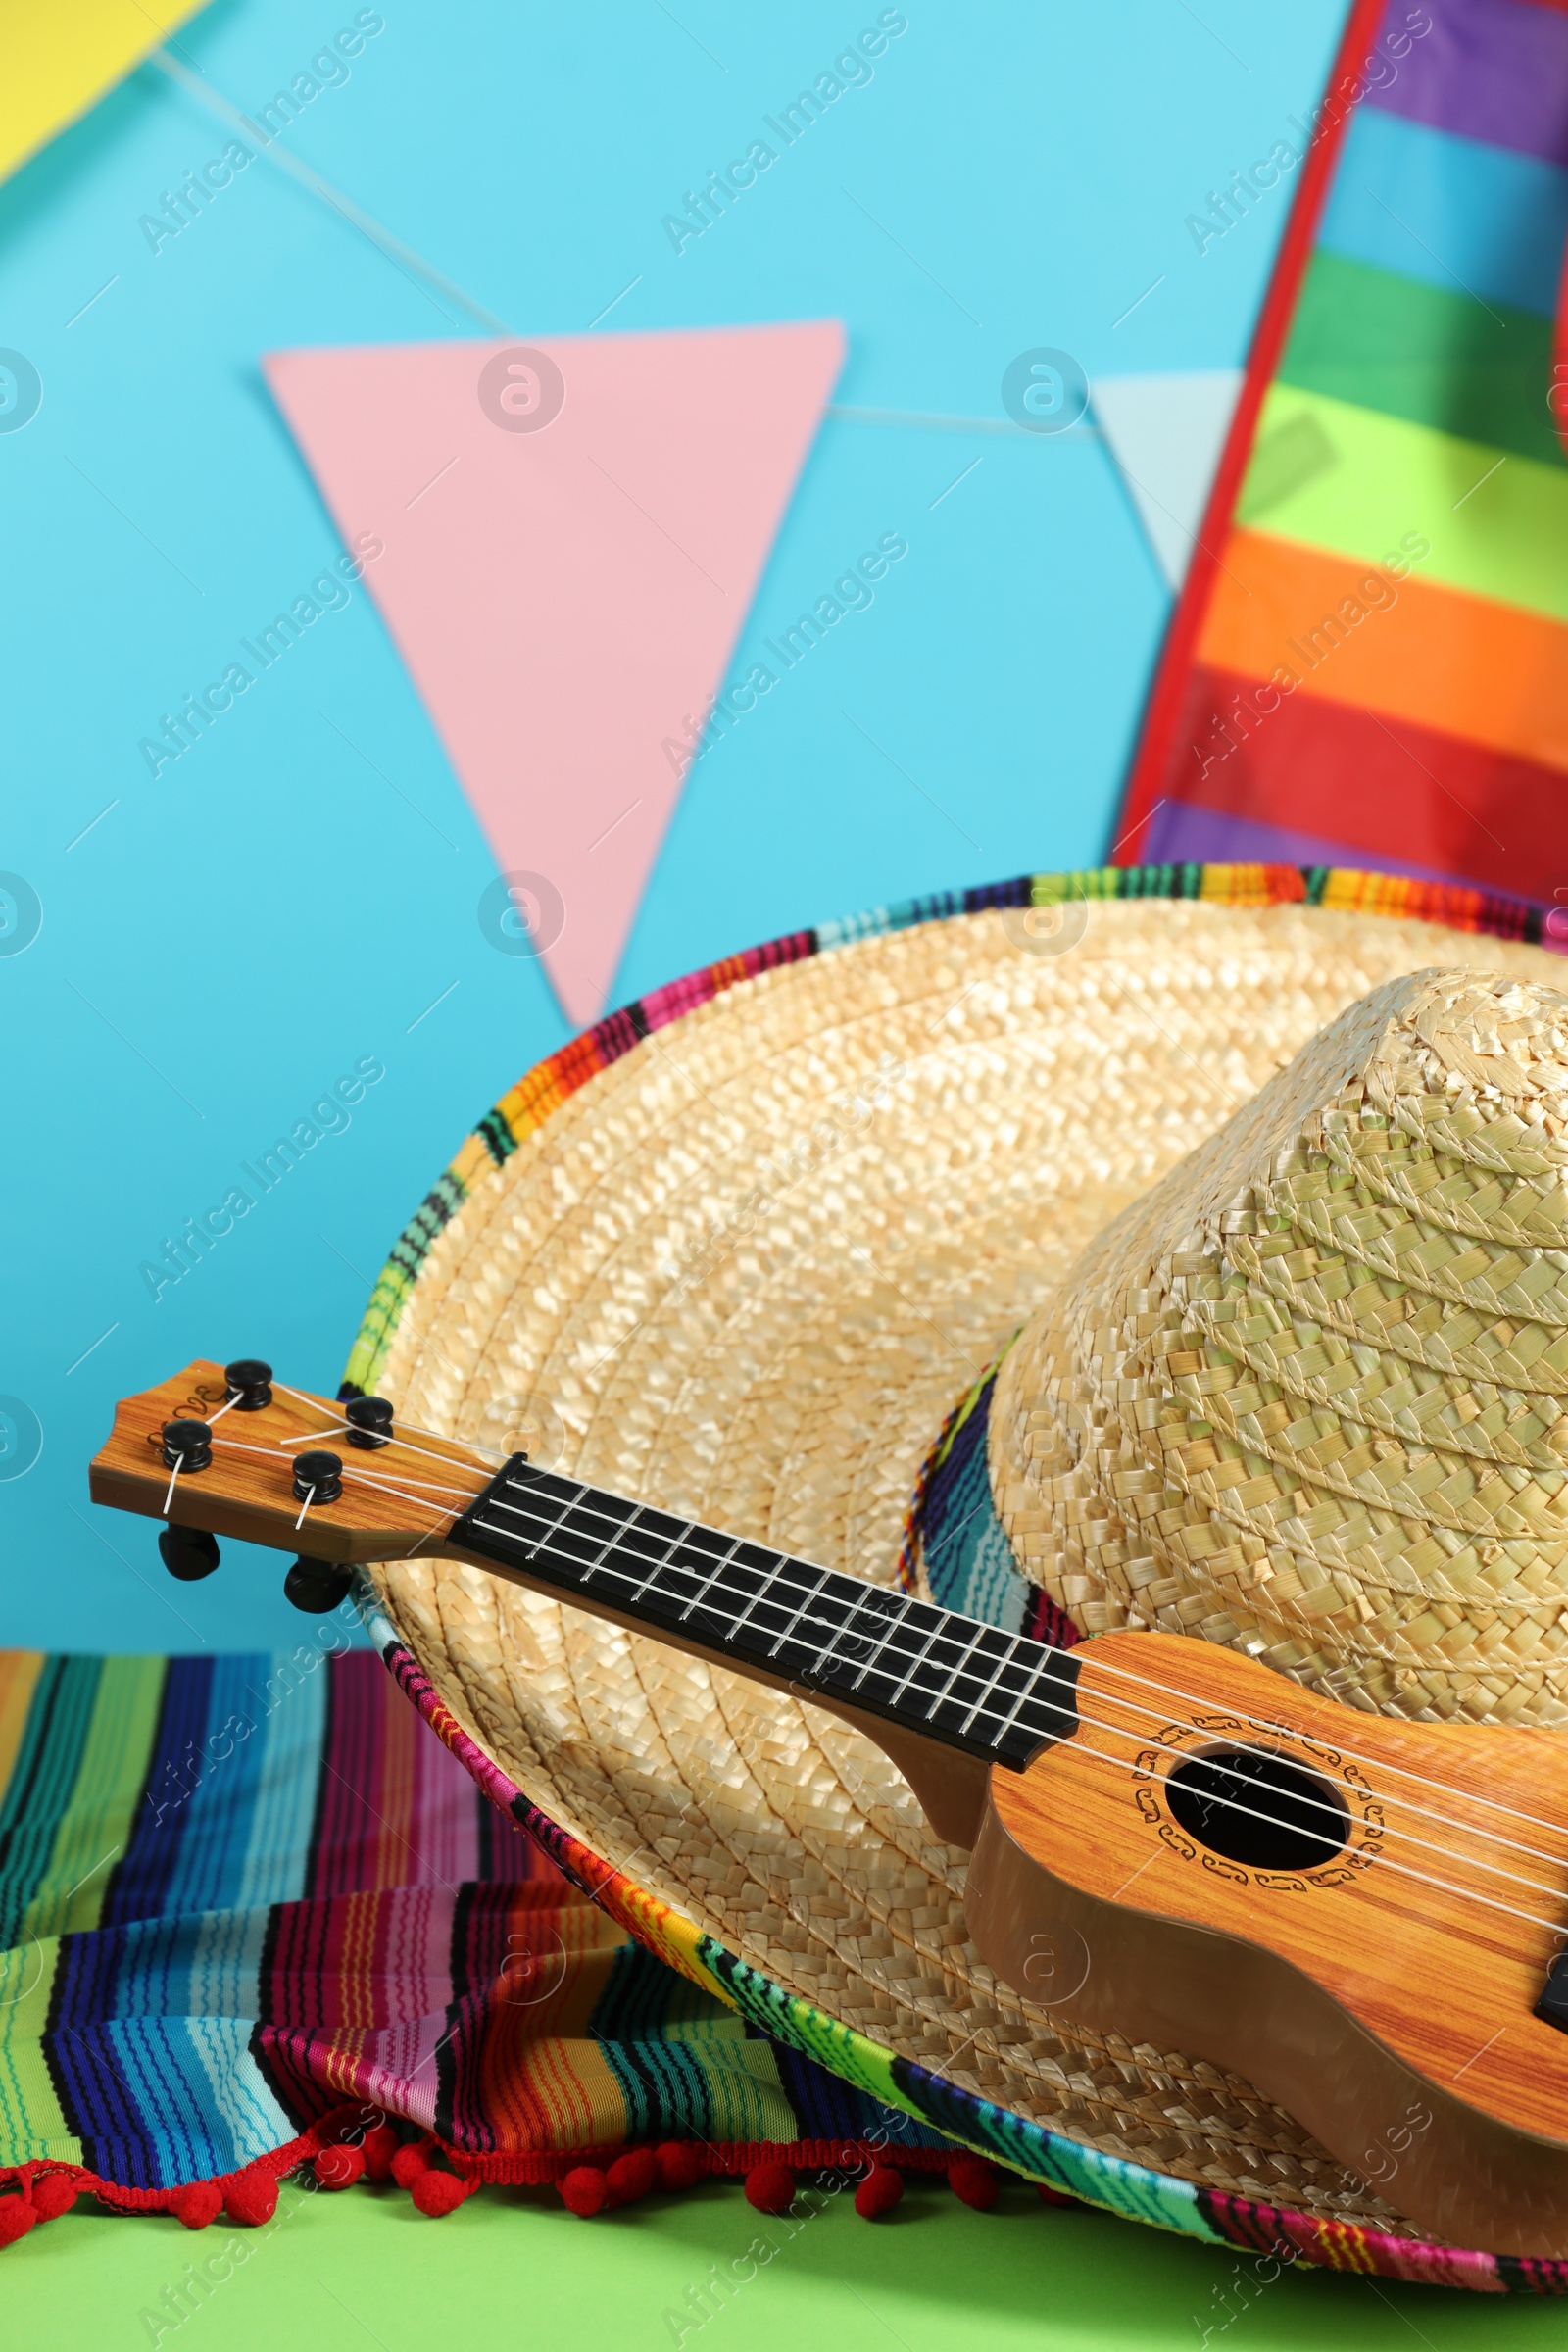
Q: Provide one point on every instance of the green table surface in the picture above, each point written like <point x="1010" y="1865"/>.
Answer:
<point x="515" y="2268"/>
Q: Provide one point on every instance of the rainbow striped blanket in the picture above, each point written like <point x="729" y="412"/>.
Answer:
<point x="240" y="1894"/>
<point x="1369" y="661"/>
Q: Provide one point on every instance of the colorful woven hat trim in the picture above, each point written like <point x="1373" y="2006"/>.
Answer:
<point x="953" y="1529"/>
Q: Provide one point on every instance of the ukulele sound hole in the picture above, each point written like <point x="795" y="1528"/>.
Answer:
<point x="1257" y="1807"/>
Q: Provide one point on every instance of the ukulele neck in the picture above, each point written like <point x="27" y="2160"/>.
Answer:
<point x="995" y="1696"/>
<point x="228" y="1451"/>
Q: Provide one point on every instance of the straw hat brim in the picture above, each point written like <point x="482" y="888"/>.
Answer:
<point x="737" y="1253"/>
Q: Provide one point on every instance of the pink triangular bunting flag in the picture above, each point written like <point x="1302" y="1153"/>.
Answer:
<point x="573" y="532"/>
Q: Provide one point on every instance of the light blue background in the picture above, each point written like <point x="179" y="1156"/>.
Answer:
<point x="228" y="940"/>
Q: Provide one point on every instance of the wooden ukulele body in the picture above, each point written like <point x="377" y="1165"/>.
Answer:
<point x="1390" y="2015"/>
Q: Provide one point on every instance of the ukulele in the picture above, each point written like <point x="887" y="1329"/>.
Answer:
<point x="1169" y="1843"/>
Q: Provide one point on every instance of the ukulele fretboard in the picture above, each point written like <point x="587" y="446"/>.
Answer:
<point x="994" y="1695"/>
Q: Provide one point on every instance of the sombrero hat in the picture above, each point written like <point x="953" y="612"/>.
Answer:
<point x="751" y="1249"/>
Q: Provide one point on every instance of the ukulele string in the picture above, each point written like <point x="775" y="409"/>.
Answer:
<point x="1421" y="1845"/>
<point x="345" y="1429"/>
<point x="1169" y="1691"/>
<point x="1469" y="1894"/>
<point x="1262" y="1722"/>
<point x="444" y="1459"/>
<point x="1322" y="1805"/>
<point x="1078" y="1747"/>
<point x="400" y="1491"/>
<point x="442" y="1510"/>
<point x="413" y="1492"/>
<point x="1236" y="1805"/>
<point x="473" y="1447"/>
<point x="1272" y="1821"/>
<point x="418" y="1497"/>
<point x="1464" y="1829"/>
<point x="413" y="1486"/>
<point x="303" y="1399"/>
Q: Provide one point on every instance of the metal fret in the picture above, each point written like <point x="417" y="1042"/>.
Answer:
<point x="718" y="1570"/>
<point x="860" y="1600"/>
<point x="942" y="1695"/>
<point x="917" y="1661"/>
<point x="574" y="1536"/>
<point x="494" y="1498"/>
<point x="1027" y="1692"/>
<point x="1005" y="1660"/>
<point x="762" y="1592"/>
<point x="649" y="1583"/>
<point x="872" y="1663"/>
<point x="811" y="1595"/>
<point x="615" y="1536"/>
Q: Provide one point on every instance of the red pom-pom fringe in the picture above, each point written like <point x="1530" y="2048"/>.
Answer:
<point x="436" y="2193"/>
<point x="770" y="2187"/>
<point x="679" y="2165"/>
<point x="379" y="2148"/>
<point x="16" y="2216"/>
<point x="977" y="2183"/>
<point x="878" y="2193"/>
<point x="584" y="2190"/>
<point x="409" y="2162"/>
<point x="341" y="2150"/>
<point x="198" y="2204"/>
<point x="251" y="2197"/>
<point x="53" y="2193"/>
<point x="633" y="2175"/>
<point x="339" y="2166"/>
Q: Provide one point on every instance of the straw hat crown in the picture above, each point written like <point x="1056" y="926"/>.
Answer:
<point x="1309" y="1395"/>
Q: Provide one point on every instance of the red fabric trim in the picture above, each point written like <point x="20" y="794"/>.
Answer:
<point x="1161" y="712"/>
<point x="276" y="2162"/>
<point x="533" y="2169"/>
<point x="1390" y="786"/>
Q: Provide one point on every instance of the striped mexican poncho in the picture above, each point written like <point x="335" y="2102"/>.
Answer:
<point x="1369" y="661"/>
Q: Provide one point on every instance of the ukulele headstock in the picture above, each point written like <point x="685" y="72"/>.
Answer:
<point x="233" y="1451"/>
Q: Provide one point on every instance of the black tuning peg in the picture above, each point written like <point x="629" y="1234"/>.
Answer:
<point x="250" y="1383"/>
<point x="188" y="1553"/>
<point x="318" y="1477"/>
<point x="188" y="1445"/>
<point x="370" y="1420"/>
<point x="316" y="1586"/>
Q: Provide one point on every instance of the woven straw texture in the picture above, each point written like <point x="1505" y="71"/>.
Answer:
<point x="1310" y="1397"/>
<point x="743" y="1273"/>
